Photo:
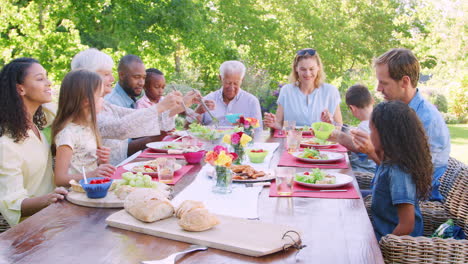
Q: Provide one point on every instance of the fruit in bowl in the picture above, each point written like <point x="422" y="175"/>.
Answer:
<point x="96" y="187"/>
<point x="257" y="155"/>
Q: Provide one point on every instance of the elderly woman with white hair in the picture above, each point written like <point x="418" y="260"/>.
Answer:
<point x="231" y="99"/>
<point x="118" y="124"/>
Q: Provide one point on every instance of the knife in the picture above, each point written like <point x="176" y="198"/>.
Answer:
<point x="127" y="160"/>
<point x="341" y="190"/>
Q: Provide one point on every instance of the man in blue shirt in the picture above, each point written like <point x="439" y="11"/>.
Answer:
<point x="398" y="74"/>
<point x="132" y="74"/>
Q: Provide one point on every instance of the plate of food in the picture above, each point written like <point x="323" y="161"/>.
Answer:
<point x="312" y="155"/>
<point x="168" y="146"/>
<point x="246" y="174"/>
<point x="147" y="167"/>
<point x="317" y="143"/>
<point x="317" y="178"/>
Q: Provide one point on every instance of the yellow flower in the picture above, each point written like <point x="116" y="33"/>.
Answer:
<point x="245" y="139"/>
<point x="223" y="159"/>
<point x="227" y="139"/>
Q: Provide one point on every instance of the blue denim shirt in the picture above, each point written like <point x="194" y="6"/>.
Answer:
<point x="393" y="186"/>
<point x="119" y="97"/>
<point x="438" y="135"/>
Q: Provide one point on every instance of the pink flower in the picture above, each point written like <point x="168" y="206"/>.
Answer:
<point x="235" y="138"/>
<point x="242" y="120"/>
<point x="218" y="149"/>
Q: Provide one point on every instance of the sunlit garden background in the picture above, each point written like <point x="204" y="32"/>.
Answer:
<point x="189" y="39"/>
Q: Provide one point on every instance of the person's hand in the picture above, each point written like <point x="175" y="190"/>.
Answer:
<point x="269" y="120"/>
<point x="362" y="141"/>
<point x="334" y="135"/>
<point x="103" y="154"/>
<point x="171" y="101"/>
<point x="192" y="97"/>
<point x="57" y="195"/>
<point x="209" y="103"/>
<point x="104" y="170"/>
<point x="326" y="116"/>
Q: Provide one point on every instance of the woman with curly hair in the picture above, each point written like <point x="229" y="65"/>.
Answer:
<point x="26" y="179"/>
<point x="405" y="172"/>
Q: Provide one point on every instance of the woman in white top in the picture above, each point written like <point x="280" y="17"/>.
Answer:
<point x="26" y="179"/>
<point x="307" y="99"/>
<point x="119" y="124"/>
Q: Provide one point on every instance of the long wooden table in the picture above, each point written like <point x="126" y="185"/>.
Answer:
<point x="334" y="230"/>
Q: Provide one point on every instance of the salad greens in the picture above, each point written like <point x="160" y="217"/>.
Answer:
<point x="311" y="153"/>
<point x="313" y="176"/>
<point x="208" y="133"/>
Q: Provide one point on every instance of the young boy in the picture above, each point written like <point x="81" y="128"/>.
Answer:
<point x="360" y="102"/>
<point x="154" y="88"/>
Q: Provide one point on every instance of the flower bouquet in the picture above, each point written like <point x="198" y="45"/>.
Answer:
<point x="238" y="141"/>
<point x="221" y="159"/>
<point x="249" y="124"/>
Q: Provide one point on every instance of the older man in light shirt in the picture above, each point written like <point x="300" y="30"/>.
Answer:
<point x="231" y="99"/>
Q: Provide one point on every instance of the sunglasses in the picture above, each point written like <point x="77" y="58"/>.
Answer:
<point x="303" y="52"/>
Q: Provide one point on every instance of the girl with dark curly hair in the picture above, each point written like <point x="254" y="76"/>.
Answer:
<point x="26" y="179"/>
<point x="405" y="172"/>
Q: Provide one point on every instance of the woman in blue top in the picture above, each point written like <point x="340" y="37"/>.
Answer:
<point x="405" y="172"/>
<point x="307" y="98"/>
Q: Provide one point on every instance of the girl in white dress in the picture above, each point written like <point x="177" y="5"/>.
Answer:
<point x="75" y="134"/>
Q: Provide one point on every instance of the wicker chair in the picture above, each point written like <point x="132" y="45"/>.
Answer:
<point x="4" y="226"/>
<point x="407" y="249"/>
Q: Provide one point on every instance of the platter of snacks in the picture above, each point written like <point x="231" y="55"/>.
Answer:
<point x="148" y="213"/>
<point x="317" y="143"/>
<point x="314" y="156"/>
<point x="147" y="167"/>
<point x="171" y="147"/>
<point x="246" y="173"/>
<point x="317" y="178"/>
<point x="116" y="194"/>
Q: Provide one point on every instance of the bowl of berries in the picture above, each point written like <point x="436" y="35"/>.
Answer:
<point x="257" y="155"/>
<point x="96" y="187"/>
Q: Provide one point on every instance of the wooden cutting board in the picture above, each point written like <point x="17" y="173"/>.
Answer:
<point x="248" y="237"/>
<point x="110" y="201"/>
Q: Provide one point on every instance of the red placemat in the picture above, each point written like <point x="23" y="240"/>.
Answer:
<point x="350" y="193"/>
<point x="148" y="153"/>
<point x="277" y="135"/>
<point x="288" y="160"/>
<point x="177" y="174"/>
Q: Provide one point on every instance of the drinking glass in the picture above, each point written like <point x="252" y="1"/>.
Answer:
<point x="289" y="125"/>
<point x="166" y="170"/>
<point x="293" y="140"/>
<point x="284" y="180"/>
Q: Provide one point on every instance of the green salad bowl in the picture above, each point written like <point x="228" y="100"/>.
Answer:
<point x="257" y="157"/>
<point x="322" y="130"/>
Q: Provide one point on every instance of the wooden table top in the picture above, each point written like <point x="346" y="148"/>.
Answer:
<point x="334" y="230"/>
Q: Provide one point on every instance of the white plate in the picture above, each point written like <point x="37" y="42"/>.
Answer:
<point x="160" y="146"/>
<point x="130" y="167"/>
<point x="268" y="176"/>
<point x="341" y="180"/>
<point x="333" y="144"/>
<point x="332" y="157"/>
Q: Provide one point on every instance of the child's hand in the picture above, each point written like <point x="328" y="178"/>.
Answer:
<point x="103" y="154"/>
<point x="362" y="142"/>
<point x="104" y="170"/>
<point x="209" y="103"/>
<point x="326" y="116"/>
<point x="57" y="195"/>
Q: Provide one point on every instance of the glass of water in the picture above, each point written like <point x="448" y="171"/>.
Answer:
<point x="284" y="177"/>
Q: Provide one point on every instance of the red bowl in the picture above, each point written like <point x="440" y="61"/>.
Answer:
<point x="194" y="157"/>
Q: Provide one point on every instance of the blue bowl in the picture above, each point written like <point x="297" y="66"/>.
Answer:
<point x="96" y="191"/>
<point x="232" y="118"/>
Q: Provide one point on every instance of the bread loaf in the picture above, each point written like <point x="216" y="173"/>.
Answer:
<point x="198" y="219"/>
<point x="148" y="205"/>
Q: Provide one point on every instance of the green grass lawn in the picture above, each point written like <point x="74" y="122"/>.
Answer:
<point x="459" y="141"/>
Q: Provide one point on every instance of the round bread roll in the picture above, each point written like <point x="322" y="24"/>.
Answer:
<point x="148" y="205"/>
<point x="188" y="205"/>
<point x="198" y="219"/>
<point x="76" y="187"/>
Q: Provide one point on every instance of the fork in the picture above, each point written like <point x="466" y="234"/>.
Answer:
<point x="215" y="121"/>
<point x="172" y="258"/>
<point x="187" y="111"/>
